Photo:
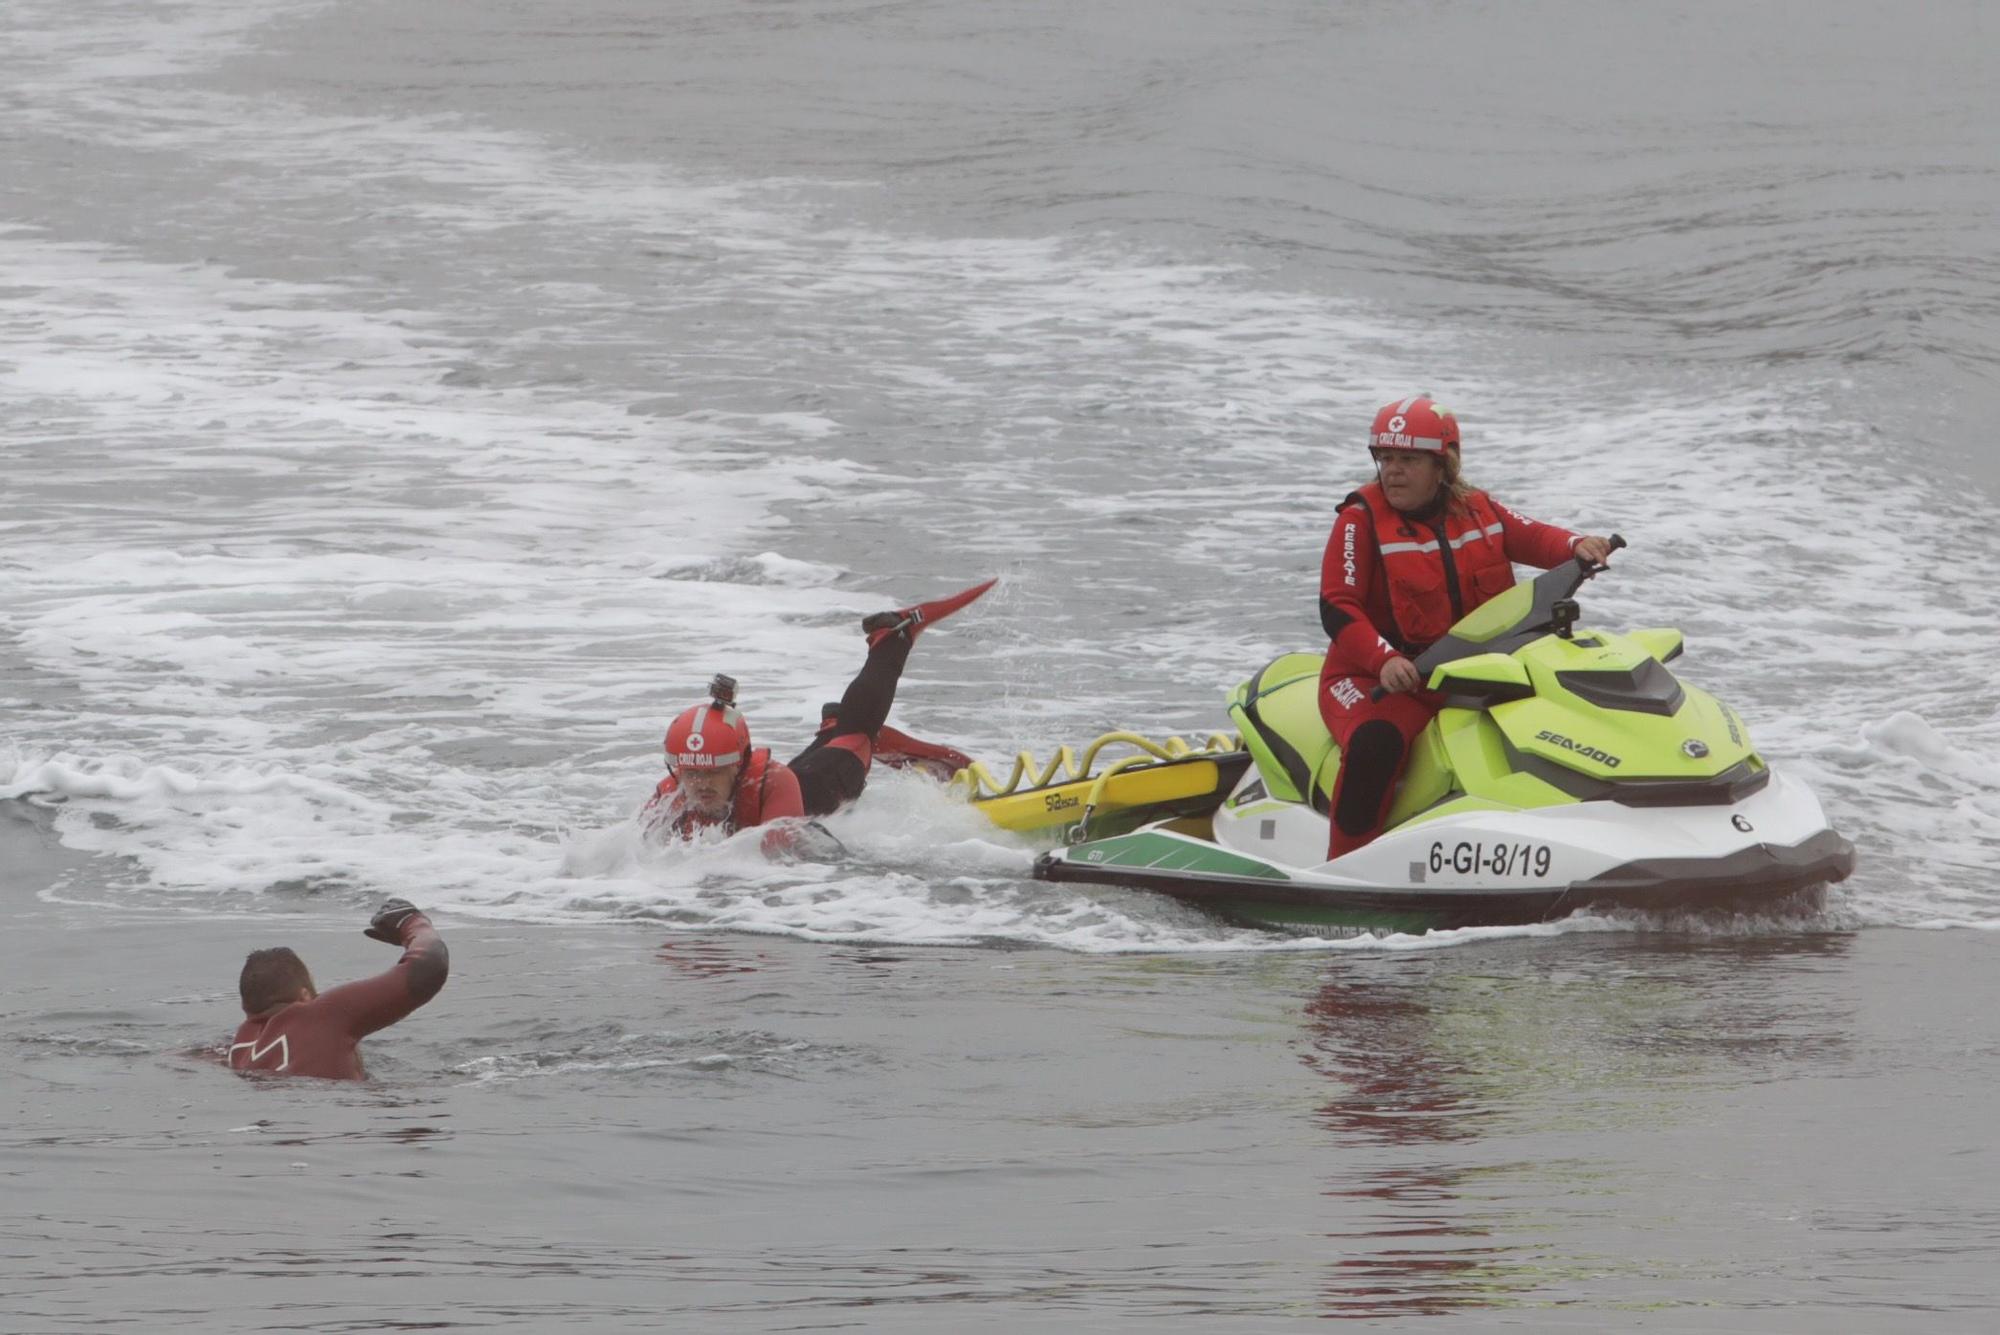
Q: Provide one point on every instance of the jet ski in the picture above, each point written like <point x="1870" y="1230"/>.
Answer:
<point x="1568" y="770"/>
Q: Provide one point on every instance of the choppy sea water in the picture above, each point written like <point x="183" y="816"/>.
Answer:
<point x="406" y="411"/>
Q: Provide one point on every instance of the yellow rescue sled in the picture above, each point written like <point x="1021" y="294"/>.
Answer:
<point x="1077" y="798"/>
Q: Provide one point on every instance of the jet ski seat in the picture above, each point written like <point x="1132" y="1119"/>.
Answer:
<point x="1277" y="712"/>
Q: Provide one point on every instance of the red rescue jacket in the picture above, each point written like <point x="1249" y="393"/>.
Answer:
<point x="1393" y="583"/>
<point x="766" y="790"/>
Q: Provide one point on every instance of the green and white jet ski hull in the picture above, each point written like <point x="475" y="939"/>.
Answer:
<point x="1566" y="770"/>
<point x="1266" y="863"/>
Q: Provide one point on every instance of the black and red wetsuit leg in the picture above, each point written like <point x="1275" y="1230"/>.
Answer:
<point x="833" y="770"/>
<point x="1375" y="737"/>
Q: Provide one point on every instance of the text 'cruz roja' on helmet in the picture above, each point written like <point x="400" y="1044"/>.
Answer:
<point x="712" y="735"/>
<point x="1414" y="424"/>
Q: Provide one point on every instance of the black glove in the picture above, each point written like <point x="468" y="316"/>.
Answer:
<point x="387" y="924"/>
<point x="820" y="842"/>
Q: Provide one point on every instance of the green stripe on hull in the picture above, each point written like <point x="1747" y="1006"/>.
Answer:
<point x="1327" y="921"/>
<point x="1164" y="852"/>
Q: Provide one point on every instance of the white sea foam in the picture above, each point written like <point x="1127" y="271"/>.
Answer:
<point x="367" y="590"/>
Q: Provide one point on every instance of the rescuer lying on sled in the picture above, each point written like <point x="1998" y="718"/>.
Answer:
<point x="715" y="780"/>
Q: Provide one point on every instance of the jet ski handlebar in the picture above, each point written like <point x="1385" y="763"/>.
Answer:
<point x="1614" y="544"/>
<point x="1586" y="570"/>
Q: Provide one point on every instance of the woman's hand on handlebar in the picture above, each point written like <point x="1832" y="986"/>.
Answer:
<point x="1595" y="550"/>
<point x="1400" y="674"/>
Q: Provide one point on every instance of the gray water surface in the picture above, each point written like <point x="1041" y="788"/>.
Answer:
<point x="607" y="1129"/>
<point x="403" y="409"/>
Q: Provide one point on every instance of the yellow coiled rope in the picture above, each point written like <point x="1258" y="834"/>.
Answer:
<point x="975" y="782"/>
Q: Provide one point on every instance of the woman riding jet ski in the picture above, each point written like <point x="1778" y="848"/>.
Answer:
<point x="1544" y="770"/>
<point x="1410" y="553"/>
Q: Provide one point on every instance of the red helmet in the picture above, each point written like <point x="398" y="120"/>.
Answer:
<point x="1414" y="424"/>
<point x="708" y="736"/>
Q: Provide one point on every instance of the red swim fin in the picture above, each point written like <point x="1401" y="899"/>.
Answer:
<point x="880" y="625"/>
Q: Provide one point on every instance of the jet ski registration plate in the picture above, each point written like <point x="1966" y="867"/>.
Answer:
<point x="1468" y="856"/>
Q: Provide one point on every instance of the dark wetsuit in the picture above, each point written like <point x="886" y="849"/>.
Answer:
<point x="833" y="769"/>
<point x="322" y="1037"/>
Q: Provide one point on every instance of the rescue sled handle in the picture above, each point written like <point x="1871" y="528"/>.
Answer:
<point x="975" y="781"/>
<point x="1523" y="613"/>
